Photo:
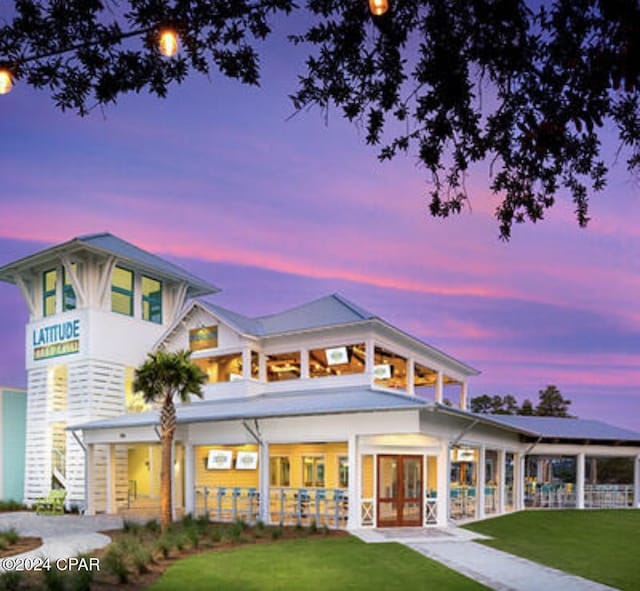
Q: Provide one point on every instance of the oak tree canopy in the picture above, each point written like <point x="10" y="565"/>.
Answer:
<point x="528" y="88"/>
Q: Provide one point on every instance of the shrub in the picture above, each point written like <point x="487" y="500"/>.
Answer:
<point x="141" y="558"/>
<point x="12" y="506"/>
<point x="276" y="533"/>
<point x="11" y="580"/>
<point x="260" y="525"/>
<point x="53" y="579"/>
<point x="131" y="527"/>
<point x="299" y="525"/>
<point x="181" y="541"/>
<point x="313" y="527"/>
<point x="115" y="562"/>
<point x="202" y="524"/>
<point x="215" y="534"/>
<point x="10" y="535"/>
<point x="80" y="580"/>
<point x="164" y="545"/>
<point x="152" y="526"/>
<point x="194" y="537"/>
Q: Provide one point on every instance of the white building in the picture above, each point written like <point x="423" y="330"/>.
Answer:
<point x="324" y="412"/>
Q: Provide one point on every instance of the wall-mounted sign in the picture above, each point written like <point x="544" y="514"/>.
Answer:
<point x="462" y="455"/>
<point x="54" y="340"/>
<point x="247" y="460"/>
<point x="219" y="459"/>
<point x="382" y="371"/>
<point x="336" y="355"/>
<point x="205" y="337"/>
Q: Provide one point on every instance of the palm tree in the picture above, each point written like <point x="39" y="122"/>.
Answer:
<point x="161" y="378"/>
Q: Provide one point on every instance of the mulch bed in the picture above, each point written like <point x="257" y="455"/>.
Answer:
<point x="22" y="545"/>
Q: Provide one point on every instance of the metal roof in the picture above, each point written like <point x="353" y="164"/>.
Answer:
<point x="125" y="251"/>
<point x="564" y="428"/>
<point x="324" y="312"/>
<point x="283" y="404"/>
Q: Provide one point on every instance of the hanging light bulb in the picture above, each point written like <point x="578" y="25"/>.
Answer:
<point x="6" y="81"/>
<point x="168" y="43"/>
<point x="378" y="7"/>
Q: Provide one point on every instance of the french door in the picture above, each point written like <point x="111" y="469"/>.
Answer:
<point x="400" y="490"/>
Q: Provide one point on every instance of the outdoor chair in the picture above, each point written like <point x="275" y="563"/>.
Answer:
<point x="52" y="504"/>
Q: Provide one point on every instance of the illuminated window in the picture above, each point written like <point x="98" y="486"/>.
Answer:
<point x="390" y="370"/>
<point x="204" y="337"/>
<point x="343" y="472"/>
<point x="283" y="366"/>
<point x="279" y="471"/>
<point x="255" y="365"/>
<point x="49" y="282"/>
<point x="313" y="471"/>
<point x="122" y="291"/>
<point x="222" y="368"/>
<point x="68" y="294"/>
<point x="151" y="300"/>
<point x="335" y="361"/>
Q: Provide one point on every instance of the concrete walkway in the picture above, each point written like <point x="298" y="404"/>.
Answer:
<point x="497" y="570"/>
<point x="63" y="536"/>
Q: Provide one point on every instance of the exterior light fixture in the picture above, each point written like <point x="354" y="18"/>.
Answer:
<point x="6" y="81"/>
<point x="378" y="7"/>
<point x="168" y="44"/>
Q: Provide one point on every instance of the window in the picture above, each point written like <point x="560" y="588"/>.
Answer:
<point x="283" y="366"/>
<point x="151" y="300"/>
<point x="279" y="471"/>
<point x="313" y="471"/>
<point x="49" y="282"/>
<point x="390" y="370"/>
<point x="68" y="294"/>
<point x="343" y="472"/>
<point x="337" y="360"/>
<point x="122" y="291"/>
<point x="222" y="368"/>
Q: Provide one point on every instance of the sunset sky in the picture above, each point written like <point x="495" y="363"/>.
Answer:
<point x="279" y="211"/>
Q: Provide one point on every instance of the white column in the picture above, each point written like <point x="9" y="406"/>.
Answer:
<point x="636" y="482"/>
<point x="463" y="395"/>
<point x="353" y="521"/>
<point x="443" y="477"/>
<point x="580" y="461"/>
<point x="439" y="387"/>
<point x="518" y="481"/>
<point x="501" y="472"/>
<point x="246" y="363"/>
<point x="482" y="468"/>
<point x="262" y="367"/>
<point x="369" y="358"/>
<point x="110" y="480"/>
<point x="411" y="376"/>
<point x="90" y="477"/>
<point x="304" y="364"/>
<point x="264" y="480"/>
<point x="189" y="479"/>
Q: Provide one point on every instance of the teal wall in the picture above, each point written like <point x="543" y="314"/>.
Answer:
<point x="14" y="417"/>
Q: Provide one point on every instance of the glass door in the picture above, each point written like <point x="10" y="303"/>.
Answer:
<point x="399" y="490"/>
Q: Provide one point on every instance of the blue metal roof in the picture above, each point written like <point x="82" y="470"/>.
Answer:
<point x="328" y="311"/>
<point x="128" y="252"/>
<point x="564" y="428"/>
<point x="285" y="404"/>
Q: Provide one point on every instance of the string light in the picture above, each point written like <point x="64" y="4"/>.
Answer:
<point x="378" y="7"/>
<point x="6" y="81"/>
<point x="168" y="43"/>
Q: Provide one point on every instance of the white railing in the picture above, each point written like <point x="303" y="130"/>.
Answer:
<point x="608" y="496"/>
<point x="431" y="509"/>
<point x="367" y="512"/>
<point x="550" y="496"/>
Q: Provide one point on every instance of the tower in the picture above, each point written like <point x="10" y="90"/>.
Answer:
<point x="97" y="305"/>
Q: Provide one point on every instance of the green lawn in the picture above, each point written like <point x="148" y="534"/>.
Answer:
<point x="599" y="545"/>
<point x="312" y="564"/>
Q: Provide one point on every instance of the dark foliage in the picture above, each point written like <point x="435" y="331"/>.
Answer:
<point x="527" y="87"/>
